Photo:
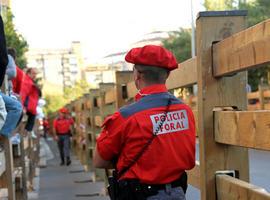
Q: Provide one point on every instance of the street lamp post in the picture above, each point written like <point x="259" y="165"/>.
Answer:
<point x="195" y="87"/>
<point x="193" y="31"/>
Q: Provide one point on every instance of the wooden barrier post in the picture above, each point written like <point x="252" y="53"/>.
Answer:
<point x="262" y="89"/>
<point x="93" y="129"/>
<point x="87" y="108"/>
<point x="121" y="79"/>
<point x="227" y="91"/>
<point x="9" y="174"/>
<point x="22" y="163"/>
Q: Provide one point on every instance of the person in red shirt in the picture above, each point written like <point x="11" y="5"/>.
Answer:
<point x="32" y="93"/>
<point x="153" y="139"/>
<point x="62" y="132"/>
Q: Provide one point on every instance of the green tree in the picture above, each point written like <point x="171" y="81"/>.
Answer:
<point x="220" y="4"/>
<point x="74" y="92"/>
<point x="54" y="103"/>
<point x="15" y="40"/>
<point x="258" y="11"/>
<point x="179" y="42"/>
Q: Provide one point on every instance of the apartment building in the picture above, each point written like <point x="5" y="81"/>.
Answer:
<point x="58" y="68"/>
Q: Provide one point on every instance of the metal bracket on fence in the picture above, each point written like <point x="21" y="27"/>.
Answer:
<point x="226" y="108"/>
<point x="232" y="173"/>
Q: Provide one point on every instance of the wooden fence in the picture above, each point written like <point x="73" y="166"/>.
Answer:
<point x="225" y="128"/>
<point x="18" y="163"/>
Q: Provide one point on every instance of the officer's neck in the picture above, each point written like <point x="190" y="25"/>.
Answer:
<point x="144" y="85"/>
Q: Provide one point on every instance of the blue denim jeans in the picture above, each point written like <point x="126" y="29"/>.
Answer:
<point x="14" y="111"/>
<point x="176" y="193"/>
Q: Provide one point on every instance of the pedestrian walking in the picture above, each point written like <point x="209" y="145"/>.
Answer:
<point x="62" y="132"/>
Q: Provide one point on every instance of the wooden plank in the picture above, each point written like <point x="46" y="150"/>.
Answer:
<point x="122" y="78"/>
<point x="2" y="163"/>
<point x="266" y="94"/>
<point x="110" y="96"/>
<point x="212" y="92"/>
<point x="243" y="128"/>
<point x="24" y="171"/>
<point x="88" y="104"/>
<point x="132" y="90"/>
<point x="98" y="121"/>
<point x="253" y="95"/>
<point x="261" y="97"/>
<point x="10" y="184"/>
<point x="243" y="50"/>
<point x="229" y="188"/>
<point x="99" y="101"/>
<point x="185" y="75"/>
<point x="267" y="106"/>
<point x="253" y="107"/>
<point x="194" y="176"/>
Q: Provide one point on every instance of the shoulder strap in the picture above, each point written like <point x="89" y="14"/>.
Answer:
<point x="136" y="158"/>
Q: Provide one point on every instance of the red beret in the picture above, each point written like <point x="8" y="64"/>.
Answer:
<point x="152" y="55"/>
<point x="63" y="110"/>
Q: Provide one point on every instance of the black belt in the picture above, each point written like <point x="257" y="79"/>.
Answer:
<point x="62" y="134"/>
<point x="174" y="184"/>
<point x="181" y="182"/>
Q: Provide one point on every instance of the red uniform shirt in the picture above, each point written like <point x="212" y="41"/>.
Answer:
<point x="17" y="81"/>
<point x="126" y="132"/>
<point x="62" y="125"/>
<point x="25" y="88"/>
<point x="46" y="124"/>
<point x="33" y="99"/>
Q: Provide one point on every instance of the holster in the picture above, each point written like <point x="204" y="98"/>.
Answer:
<point x="134" y="190"/>
<point x="113" y="187"/>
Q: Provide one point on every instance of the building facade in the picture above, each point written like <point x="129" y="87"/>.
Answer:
<point x="96" y="74"/>
<point x="105" y="73"/>
<point x="58" y="67"/>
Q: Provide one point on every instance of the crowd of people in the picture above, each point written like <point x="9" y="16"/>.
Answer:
<point x="19" y="95"/>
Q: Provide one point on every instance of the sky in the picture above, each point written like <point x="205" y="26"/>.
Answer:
<point x="103" y="26"/>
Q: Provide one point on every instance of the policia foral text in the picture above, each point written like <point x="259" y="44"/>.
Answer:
<point x="152" y="141"/>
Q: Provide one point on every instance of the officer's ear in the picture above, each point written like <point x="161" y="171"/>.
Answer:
<point x="136" y="74"/>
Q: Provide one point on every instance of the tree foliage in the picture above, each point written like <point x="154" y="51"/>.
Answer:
<point x="220" y="4"/>
<point x="74" y="92"/>
<point x="258" y="11"/>
<point x="179" y="42"/>
<point x="15" y="39"/>
<point x="54" y="103"/>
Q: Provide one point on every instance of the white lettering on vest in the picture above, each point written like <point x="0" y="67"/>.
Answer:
<point x="174" y="121"/>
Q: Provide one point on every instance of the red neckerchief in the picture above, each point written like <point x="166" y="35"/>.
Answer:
<point x="153" y="89"/>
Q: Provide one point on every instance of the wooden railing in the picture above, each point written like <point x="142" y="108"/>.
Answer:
<point x="18" y="163"/>
<point x="224" y="132"/>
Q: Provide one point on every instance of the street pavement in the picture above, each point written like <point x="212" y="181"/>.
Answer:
<point x="72" y="182"/>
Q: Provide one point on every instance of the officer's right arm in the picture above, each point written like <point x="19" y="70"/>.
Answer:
<point x="109" y="142"/>
<point x="99" y="162"/>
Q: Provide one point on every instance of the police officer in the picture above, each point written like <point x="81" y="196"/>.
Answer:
<point x="62" y="132"/>
<point x="157" y="122"/>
